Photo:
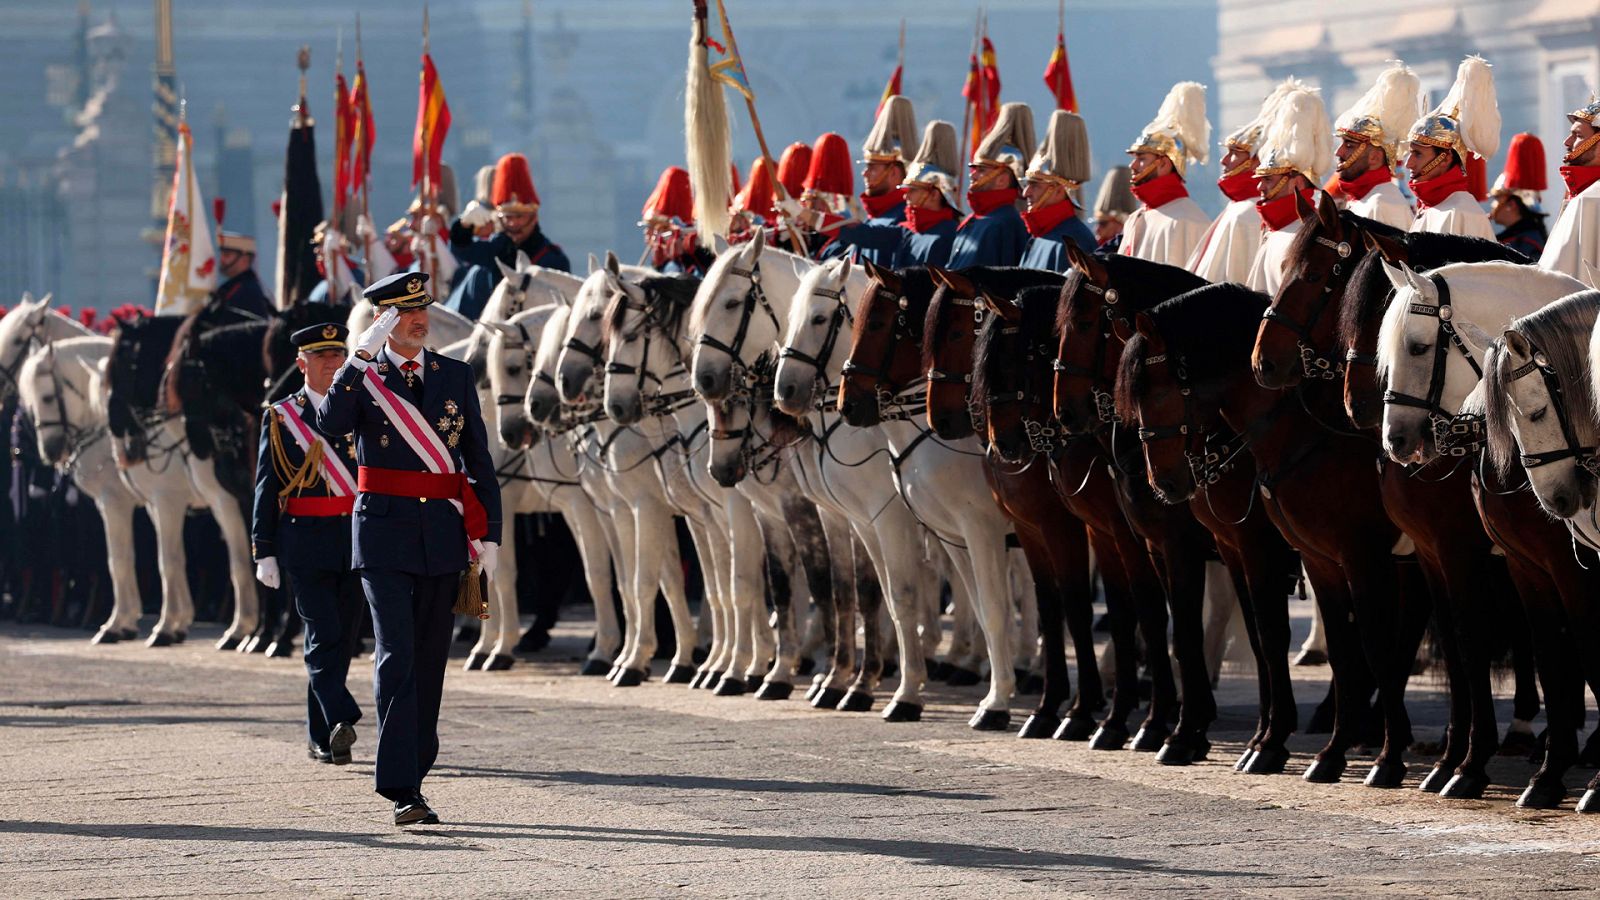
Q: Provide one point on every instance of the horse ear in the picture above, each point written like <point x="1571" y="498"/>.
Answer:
<point x="505" y="270"/>
<point x="719" y="245"/>
<point x="1517" y="344"/>
<point x="1122" y="330"/>
<point x="594" y="264"/>
<point x="959" y="283"/>
<point x="940" y="276"/>
<point x="1145" y="325"/>
<point x="523" y="262"/>
<point x="752" y="251"/>
<point x="1390" y="249"/>
<point x="1327" y="210"/>
<point x="1306" y="211"/>
<point x="1475" y="337"/>
<point x="1399" y="276"/>
<point x="613" y="265"/>
<point x="867" y="266"/>
<point x="843" y="269"/>
<point x="1005" y="309"/>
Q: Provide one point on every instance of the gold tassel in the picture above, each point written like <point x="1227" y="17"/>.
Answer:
<point x="472" y="596"/>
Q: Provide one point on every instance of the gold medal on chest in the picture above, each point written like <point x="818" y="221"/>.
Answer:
<point x="300" y="400"/>
<point x="450" y="407"/>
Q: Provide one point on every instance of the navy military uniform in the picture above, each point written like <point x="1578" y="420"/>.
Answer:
<point x="930" y="247"/>
<point x="409" y="543"/>
<point x="243" y="291"/>
<point x="877" y="240"/>
<point x="472" y="293"/>
<point x="1049" y="250"/>
<point x="995" y="239"/>
<point x="303" y="520"/>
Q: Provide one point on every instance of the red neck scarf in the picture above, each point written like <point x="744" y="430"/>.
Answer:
<point x="1161" y="190"/>
<point x="985" y="202"/>
<point x="1043" y="221"/>
<point x="1578" y="178"/>
<point x="1434" y="191"/>
<point x="922" y="221"/>
<point x="1363" y="184"/>
<point x="880" y="204"/>
<point x="1243" y="185"/>
<point x="1280" y="212"/>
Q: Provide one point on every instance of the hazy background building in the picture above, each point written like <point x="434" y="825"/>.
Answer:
<point x="590" y="89"/>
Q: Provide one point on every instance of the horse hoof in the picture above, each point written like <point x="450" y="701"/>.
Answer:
<point x="1435" y="780"/>
<point x="227" y="642"/>
<point x="473" y="662"/>
<point x="1108" y="737"/>
<point x="499" y="663"/>
<point x="901" y="711"/>
<point x="1311" y="658"/>
<point x="1149" y="739"/>
<point x="594" y="667"/>
<point x="105" y="636"/>
<point x="278" y="649"/>
<point x="1182" y="751"/>
<point x="1518" y="743"/>
<point x="960" y="677"/>
<point x="774" y="690"/>
<point x="1324" y="770"/>
<point x="1243" y="762"/>
<point x="1389" y="775"/>
<point x="1075" y="728"/>
<point x="937" y="670"/>
<point x="1543" y="794"/>
<point x="677" y="674"/>
<point x="1030" y="684"/>
<point x="629" y="678"/>
<point x="827" y="698"/>
<point x="1463" y="787"/>
<point x="1590" y="802"/>
<point x="708" y="680"/>
<point x="729" y="687"/>
<point x="807" y="666"/>
<point x="1267" y="761"/>
<point x="129" y="634"/>
<point x="180" y="637"/>
<point x="990" y="720"/>
<point x="159" y="639"/>
<point x="1039" y="726"/>
<point x="855" y="701"/>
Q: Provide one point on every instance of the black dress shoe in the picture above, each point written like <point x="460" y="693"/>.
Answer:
<point x="414" y="811"/>
<point x="320" y="754"/>
<point x="339" y="743"/>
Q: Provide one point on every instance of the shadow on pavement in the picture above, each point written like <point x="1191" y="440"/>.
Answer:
<point x="709" y="783"/>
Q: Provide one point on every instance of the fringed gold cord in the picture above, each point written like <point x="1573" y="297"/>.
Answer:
<point x="472" y="596"/>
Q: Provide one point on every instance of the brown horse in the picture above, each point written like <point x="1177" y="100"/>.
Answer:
<point x="1185" y="370"/>
<point x="1097" y="294"/>
<point x="1038" y="494"/>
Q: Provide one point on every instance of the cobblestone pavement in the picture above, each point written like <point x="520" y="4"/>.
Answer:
<point x="133" y="772"/>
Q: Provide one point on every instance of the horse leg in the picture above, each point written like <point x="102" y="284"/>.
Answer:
<point x="116" y="514"/>
<point x="229" y="514"/>
<point x="167" y="514"/>
<point x="594" y="549"/>
<point x="1186" y="587"/>
<point x="1468" y="576"/>
<point x="670" y="581"/>
<point x="857" y="696"/>
<point x="1023" y="591"/>
<point x="718" y="551"/>
<point x="1370" y="573"/>
<point x="749" y="557"/>
<point x="1352" y="680"/>
<point x="627" y="523"/>
<point x="986" y="553"/>
<point x="1556" y="657"/>
<point x="1219" y="610"/>
<point x="1050" y="565"/>
<point x="505" y="621"/>
<point x="1264" y="566"/>
<point x="809" y="535"/>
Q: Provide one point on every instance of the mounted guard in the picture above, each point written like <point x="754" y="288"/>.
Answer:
<point x="993" y="233"/>
<point x="1465" y="124"/>
<point x="1370" y="134"/>
<point x="1057" y="171"/>
<point x="1574" y="245"/>
<point x="931" y="203"/>
<point x="1168" y="225"/>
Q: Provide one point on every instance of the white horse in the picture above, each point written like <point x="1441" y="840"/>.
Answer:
<point x="1431" y="347"/>
<point x="641" y="510"/>
<point x="71" y="432"/>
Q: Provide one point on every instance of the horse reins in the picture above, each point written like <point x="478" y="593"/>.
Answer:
<point x="1453" y="434"/>
<point x="1312" y="363"/>
<point x="1583" y="457"/>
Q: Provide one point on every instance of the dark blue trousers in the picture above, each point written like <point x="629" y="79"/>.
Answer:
<point x="330" y="604"/>
<point x="411" y="618"/>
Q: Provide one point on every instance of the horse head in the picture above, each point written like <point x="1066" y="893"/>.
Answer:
<point x="820" y="316"/>
<point x="885" y="354"/>
<point x="956" y="314"/>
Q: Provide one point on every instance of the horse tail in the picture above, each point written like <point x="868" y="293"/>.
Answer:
<point x="709" y="150"/>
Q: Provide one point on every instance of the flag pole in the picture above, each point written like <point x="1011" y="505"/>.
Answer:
<point x="755" y="125"/>
<point x="900" y="61"/>
<point x="360" y="70"/>
<point x="1061" y="41"/>
<point x="426" y="188"/>
<point x="966" y="117"/>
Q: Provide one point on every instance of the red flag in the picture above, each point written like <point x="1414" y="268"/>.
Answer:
<point x="1058" y="76"/>
<point x="974" y="92"/>
<point x="361" y="131"/>
<point x="991" y="84"/>
<point x="433" y="123"/>
<point x="343" y="115"/>
<point x="890" y="89"/>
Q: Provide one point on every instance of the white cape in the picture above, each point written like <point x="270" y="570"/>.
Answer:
<point x="1574" y="244"/>
<point x="1385" y="204"/>
<point x="1167" y="234"/>
<point x="1458" y="213"/>
<point x="1228" y="249"/>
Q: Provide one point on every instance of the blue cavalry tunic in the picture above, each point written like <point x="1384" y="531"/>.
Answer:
<point x="876" y="240"/>
<point x="930" y="248"/>
<point x="471" y="294"/>
<point x="995" y="239"/>
<point x="1049" y="251"/>
<point x="409" y="551"/>
<point x="311" y="541"/>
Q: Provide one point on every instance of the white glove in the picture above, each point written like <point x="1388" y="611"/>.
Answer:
<point x="372" y="339"/>
<point x="789" y="207"/>
<point x="267" y="572"/>
<point x="476" y="215"/>
<point x="364" y="229"/>
<point x="430" y="226"/>
<point x="489" y="559"/>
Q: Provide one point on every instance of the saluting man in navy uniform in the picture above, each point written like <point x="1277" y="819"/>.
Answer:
<point x="428" y="503"/>
<point x="305" y="492"/>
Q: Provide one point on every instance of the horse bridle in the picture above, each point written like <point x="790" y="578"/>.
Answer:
<point x="755" y="459"/>
<point x="1045" y="435"/>
<point x="1454" y="434"/>
<point x="661" y="403"/>
<point x="1105" y="405"/>
<point x="1583" y="457"/>
<point x="910" y="399"/>
<point x="1312" y="363"/>
<point x="9" y="373"/>
<point x="77" y="438"/>
<point x="755" y="296"/>
<point x="836" y="319"/>
<point x="935" y="375"/>
<point x="525" y="344"/>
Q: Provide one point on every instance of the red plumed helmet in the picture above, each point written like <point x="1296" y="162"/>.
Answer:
<point x="792" y="168"/>
<point x="1525" y="165"/>
<point x="513" y="185"/>
<point x="757" y="197"/>
<point x="672" y="199"/>
<point x="831" y="170"/>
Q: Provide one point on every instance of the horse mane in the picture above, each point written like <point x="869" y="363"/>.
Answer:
<point x="1007" y="282"/>
<point x="135" y="367"/>
<point x="990" y="353"/>
<point x="1425" y="250"/>
<point x="670" y="299"/>
<point x="1140" y="283"/>
<point x="1561" y="332"/>
<point x="1212" y="329"/>
<point x="1305" y="237"/>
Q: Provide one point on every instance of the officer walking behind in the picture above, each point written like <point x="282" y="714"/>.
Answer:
<point x="428" y="499"/>
<point x="305" y="492"/>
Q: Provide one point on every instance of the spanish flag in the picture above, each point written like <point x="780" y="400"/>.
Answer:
<point x="343" y="122"/>
<point x="1058" y="76"/>
<point x="433" y="123"/>
<point x="362" y="132"/>
<point x="890" y="89"/>
<point x="991" y="83"/>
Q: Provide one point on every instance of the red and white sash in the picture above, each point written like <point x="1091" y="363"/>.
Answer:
<point x="414" y="430"/>
<point x="340" y="483"/>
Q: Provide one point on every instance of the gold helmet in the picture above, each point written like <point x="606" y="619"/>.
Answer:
<point x="1063" y="158"/>
<point x="1298" y="138"/>
<point x="1179" y="131"/>
<point x="1389" y="105"/>
<point x="1010" y="142"/>
<point x="1588" y="114"/>
<point x="1467" y="120"/>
